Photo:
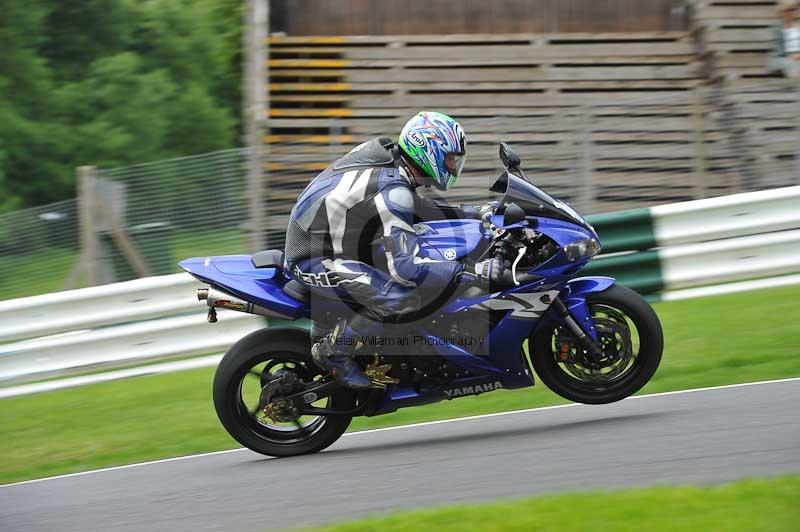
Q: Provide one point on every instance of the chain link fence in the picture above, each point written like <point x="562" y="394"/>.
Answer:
<point x="618" y="155"/>
<point x="167" y="210"/>
<point x="38" y="248"/>
<point x="178" y="208"/>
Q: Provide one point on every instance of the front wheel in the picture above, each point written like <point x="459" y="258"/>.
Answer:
<point x="632" y="341"/>
<point x="244" y="372"/>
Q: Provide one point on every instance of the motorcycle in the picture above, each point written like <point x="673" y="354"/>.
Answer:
<point x="588" y="339"/>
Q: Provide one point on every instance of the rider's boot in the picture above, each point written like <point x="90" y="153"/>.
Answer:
<point x="328" y="356"/>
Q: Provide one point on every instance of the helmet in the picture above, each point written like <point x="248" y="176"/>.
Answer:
<point x="437" y="145"/>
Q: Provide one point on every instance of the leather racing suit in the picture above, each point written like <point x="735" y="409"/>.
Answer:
<point x="362" y="200"/>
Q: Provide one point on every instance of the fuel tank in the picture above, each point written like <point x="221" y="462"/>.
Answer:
<point x="448" y="239"/>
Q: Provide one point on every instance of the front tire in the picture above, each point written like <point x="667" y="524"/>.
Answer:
<point x="628" y="363"/>
<point x="242" y="372"/>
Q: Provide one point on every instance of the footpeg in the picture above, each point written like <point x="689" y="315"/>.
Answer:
<point x="377" y="373"/>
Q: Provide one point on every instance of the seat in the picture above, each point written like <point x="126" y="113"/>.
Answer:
<point x="297" y="290"/>
<point x="272" y="258"/>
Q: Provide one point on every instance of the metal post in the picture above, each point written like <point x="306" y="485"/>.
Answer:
<point x="335" y="133"/>
<point x="88" y="233"/>
<point x="699" y="184"/>
<point x="255" y="45"/>
<point x="587" y="186"/>
<point x="796" y="169"/>
<point x="729" y="125"/>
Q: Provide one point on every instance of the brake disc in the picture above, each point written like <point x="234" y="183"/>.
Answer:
<point x="615" y="339"/>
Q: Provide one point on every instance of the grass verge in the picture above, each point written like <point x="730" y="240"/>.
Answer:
<point x="766" y="505"/>
<point x="711" y="341"/>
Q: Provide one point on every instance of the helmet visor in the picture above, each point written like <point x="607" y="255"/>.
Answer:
<point x="454" y="162"/>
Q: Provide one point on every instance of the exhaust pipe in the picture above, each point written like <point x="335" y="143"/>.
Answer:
<point x="216" y="298"/>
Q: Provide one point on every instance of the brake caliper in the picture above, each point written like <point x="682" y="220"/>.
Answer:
<point x="284" y="382"/>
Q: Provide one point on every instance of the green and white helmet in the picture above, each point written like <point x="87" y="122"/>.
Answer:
<point x="437" y="145"/>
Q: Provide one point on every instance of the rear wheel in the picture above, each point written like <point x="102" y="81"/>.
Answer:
<point x="629" y="333"/>
<point x="244" y="372"/>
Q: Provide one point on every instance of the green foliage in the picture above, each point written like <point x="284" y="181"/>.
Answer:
<point x="193" y="110"/>
<point x="111" y="82"/>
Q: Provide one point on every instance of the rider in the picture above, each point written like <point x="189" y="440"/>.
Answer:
<point x="366" y="198"/>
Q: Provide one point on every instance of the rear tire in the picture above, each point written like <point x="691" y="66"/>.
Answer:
<point x="557" y="374"/>
<point x="288" y="346"/>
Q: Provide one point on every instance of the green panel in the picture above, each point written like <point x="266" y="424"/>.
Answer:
<point x="624" y="230"/>
<point x="640" y="271"/>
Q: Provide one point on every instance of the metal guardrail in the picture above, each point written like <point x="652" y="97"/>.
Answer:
<point x="146" y="319"/>
<point x="98" y="306"/>
<point x="694" y="243"/>
<point x="730" y="216"/>
<point x="125" y="344"/>
<point x="717" y="240"/>
<point x="732" y="259"/>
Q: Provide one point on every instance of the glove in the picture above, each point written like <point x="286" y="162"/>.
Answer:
<point x="487" y="271"/>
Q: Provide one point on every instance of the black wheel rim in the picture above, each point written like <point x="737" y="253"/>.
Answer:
<point x="618" y="335"/>
<point x="249" y="383"/>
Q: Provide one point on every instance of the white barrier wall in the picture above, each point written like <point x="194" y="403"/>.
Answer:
<point x="732" y="259"/>
<point x="125" y="344"/>
<point x="151" y="297"/>
<point x="737" y="215"/>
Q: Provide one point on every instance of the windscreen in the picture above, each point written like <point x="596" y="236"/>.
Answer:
<point x="535" y="201"/>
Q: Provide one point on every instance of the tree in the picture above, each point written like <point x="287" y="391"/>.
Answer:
<point x="82" y="31"/>
<point x="112" y="82"/>
<point x="27" y="133"/>
<point x="120" y="113"/>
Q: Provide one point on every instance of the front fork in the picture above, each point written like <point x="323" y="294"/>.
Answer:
<point x="586" y="339"/>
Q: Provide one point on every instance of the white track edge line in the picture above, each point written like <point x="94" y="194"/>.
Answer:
<point x="399" y="427"/>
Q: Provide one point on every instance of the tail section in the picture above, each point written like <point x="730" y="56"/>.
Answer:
<point x="246" y="283"/>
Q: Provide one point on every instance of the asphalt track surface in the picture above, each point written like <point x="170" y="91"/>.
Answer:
<point x="697" y="437"/>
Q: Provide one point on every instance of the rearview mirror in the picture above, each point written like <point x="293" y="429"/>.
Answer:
<point x="510" y="159"/>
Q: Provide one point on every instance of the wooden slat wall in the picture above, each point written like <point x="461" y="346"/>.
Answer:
<point x="761" y="120"/>
<point x="631" y="96"/>
<point x="415" y="17"/>
<point x="758" y="110"/>
<point x="735" y="36"/>
<point x="607" y="121"/>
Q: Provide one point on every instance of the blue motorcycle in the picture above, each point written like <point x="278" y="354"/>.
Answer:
<point x="588" y="339"/>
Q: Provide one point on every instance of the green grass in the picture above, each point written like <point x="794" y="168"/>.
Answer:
<point x="712" y="341"/>
<point x="39" y="273"/>
<point x="763" y="505"/>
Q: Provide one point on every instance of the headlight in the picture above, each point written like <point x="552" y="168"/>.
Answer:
<point x="582" y="249"/>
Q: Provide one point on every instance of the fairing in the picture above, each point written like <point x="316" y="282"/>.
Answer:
<point x="448" y="239"/>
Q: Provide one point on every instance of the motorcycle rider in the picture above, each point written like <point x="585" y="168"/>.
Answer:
<point x="366" y="198"/>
